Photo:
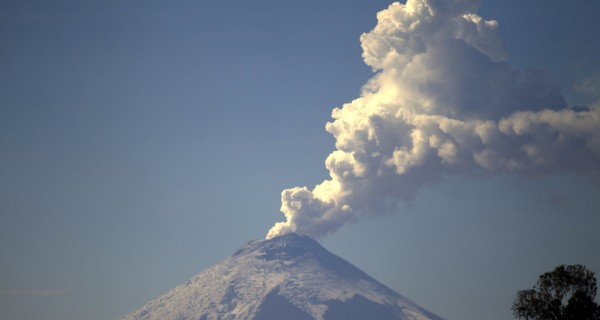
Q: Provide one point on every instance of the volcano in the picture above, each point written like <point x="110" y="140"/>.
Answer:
<point x="289" y="277"/>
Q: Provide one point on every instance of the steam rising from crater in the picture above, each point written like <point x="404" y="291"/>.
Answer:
<point x="442" y="102"/>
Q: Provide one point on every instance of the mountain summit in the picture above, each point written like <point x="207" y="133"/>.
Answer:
<point x="289" y="277"/>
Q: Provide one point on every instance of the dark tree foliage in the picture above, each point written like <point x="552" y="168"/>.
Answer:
<point x="567" y="293"/>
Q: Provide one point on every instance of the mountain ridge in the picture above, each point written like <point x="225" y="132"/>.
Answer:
<point x="286" y="277"/>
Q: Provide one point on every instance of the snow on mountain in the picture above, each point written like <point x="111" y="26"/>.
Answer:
<point x="289" y="277"/>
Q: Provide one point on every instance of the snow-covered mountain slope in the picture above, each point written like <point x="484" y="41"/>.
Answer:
<point x="289" y="277"/>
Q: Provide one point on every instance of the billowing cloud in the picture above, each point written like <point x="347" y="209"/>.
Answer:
<point x="442" y="102"/>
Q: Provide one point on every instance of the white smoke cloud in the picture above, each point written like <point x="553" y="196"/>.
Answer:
<point x="442" y="102"/>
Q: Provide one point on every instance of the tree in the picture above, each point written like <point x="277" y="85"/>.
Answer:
<point x="567" y="293"/>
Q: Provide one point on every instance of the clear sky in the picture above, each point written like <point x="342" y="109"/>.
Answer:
<point x="143" y="141"/>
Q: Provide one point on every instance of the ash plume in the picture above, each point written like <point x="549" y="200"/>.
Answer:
<point x="442" y="102"/>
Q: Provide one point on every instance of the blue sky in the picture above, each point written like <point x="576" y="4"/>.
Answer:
<point x="142" y="142"/>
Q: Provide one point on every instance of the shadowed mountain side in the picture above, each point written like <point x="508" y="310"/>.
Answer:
<point x="278" y="307"/>
<point x="360" y="308"/>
